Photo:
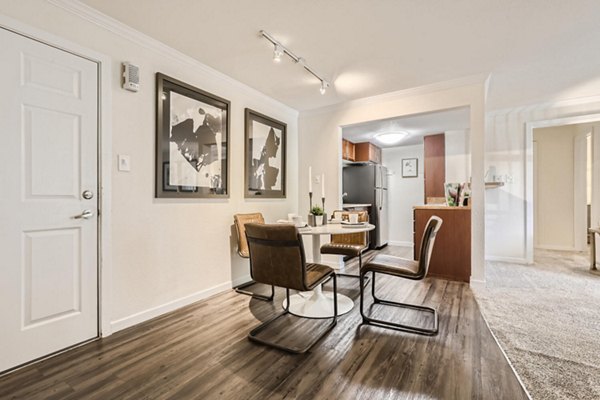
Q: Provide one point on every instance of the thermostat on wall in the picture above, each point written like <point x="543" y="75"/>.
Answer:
<point x="131" y="77"/>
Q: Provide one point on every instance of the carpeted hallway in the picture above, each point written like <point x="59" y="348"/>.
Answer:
<point x="546" y="317"/>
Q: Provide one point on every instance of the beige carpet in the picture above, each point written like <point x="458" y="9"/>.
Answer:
<point x="546" y="317"/>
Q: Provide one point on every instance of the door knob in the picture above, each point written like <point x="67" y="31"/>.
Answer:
<point x="86" y="214"/>
<point x="87" y="194"/>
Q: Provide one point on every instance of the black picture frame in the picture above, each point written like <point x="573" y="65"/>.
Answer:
<point x="252" y="181"/>
<point x="201" y="163"/>
<point x="412" y="172"/>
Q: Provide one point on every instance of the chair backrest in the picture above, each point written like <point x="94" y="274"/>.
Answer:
<point x="240" y="221"/>
<point x="360" y="238"/>
<point x="277" y="255"/>
<point x="431" y="229"/>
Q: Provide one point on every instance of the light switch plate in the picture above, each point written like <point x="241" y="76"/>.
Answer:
<point x="124" y="163"/>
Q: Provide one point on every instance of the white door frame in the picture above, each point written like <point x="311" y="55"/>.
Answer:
<point x="104" y="156"/>
<point x="529" y="193"/>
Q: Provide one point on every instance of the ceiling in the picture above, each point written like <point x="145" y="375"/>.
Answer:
<point x="416" y="126"/>
<point x="367" y="48"/>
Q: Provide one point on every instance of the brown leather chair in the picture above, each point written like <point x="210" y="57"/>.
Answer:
<point x="350" y="244"/>
<point x="277" y="258"/>
<point x="403" y="268"/>
<point x="240" y="221"/>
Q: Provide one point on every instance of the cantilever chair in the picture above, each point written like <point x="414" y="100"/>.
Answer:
<point x="277" y="258"/>
<point x="403" y="268"/>
<point x="240" y="221"/>
<point x="350" y="244"/>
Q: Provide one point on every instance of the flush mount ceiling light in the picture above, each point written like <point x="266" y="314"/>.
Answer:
<point x="392" y="137"/>
<point x="279" y="50"/>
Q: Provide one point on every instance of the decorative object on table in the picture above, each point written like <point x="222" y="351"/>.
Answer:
<point x="317" y="216"/>
<point x="323" y="198"/>
<point x="265" y="156"/>
<point x="452" y="191"/>
<point x="410" y="167"/>
<point x="192" y="141"/>
<point x="465" y="194"/>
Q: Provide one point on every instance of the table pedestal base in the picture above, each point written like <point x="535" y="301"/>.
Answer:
<point x="318" y="304"/>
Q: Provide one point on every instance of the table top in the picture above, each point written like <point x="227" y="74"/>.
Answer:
<point x="335" y="229"/>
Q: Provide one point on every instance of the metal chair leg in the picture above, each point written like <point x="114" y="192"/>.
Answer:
<point x="356" y="275"/>
<point x="367" y="320"/>
<point x="253" y="335"/>
<point x="238" y="289"/>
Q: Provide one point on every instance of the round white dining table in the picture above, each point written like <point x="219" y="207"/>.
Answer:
<point x="319" y="303"/>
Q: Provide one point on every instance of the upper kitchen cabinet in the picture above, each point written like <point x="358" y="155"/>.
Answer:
<point x="348" y="151"/>
<point x="366" y="152"/>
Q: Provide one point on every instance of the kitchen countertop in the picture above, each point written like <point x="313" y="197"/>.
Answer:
<point x="355" y="205"/>
<point x="441" y="207"/>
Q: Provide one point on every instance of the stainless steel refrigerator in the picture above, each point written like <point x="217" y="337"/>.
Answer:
<point x="367" y="184"/>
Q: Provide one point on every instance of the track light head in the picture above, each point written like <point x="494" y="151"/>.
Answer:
<point x="324" y="86"/>
<point x="277" y="53"/>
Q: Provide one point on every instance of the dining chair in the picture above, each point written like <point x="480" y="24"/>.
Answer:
<point x="349" y="244"/>
<point x="402" y="268"/>
<point x="277" y="258"/>
<point x="240" y="221"/>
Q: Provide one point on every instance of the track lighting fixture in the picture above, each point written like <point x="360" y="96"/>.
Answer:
<point x="279" y="50"/>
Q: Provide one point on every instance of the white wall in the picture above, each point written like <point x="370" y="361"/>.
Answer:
<point x="403" y="193"/>
<point x="320" y="141"/>
<point x="458" y="156"/>
<point x="165" y="252"/>
<point x="554" y="187"/>
<point x="507" y="157"/>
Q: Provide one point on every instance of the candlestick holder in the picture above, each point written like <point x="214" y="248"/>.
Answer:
<point x="324" y="213"/>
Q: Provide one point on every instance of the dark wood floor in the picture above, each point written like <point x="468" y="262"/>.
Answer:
<point x="201" y="352"/>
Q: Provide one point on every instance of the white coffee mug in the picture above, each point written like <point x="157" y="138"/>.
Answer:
<point x="337" y="215"/>
<point x="291" y="217"/>
<point x="297" y="220"/>
<point x="353" y="218"/>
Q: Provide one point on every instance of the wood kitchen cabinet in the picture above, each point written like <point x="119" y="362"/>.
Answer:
<point x="348" y="151"/>
<point x="434" y="170"/>
<point x="366" y="152"/>
<point x="451" y="256"/>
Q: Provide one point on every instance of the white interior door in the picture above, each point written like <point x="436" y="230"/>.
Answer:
<point x="48" y="159"/>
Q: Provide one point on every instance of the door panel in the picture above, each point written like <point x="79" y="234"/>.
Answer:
<point x="48" y="157"/>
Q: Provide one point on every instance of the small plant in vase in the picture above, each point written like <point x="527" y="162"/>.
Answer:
<point x="317" y="213"/>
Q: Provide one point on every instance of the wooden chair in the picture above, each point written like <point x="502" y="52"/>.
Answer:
<point x="350" y="244"/>
<point x="403" y="268"/>
<point x="277" y="258"/>
<point x="240" y="221"/>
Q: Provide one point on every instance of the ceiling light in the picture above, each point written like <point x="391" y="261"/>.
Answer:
<point x="391" y="137"/>
<point x="324" y="86"/>
<point x="277" y="53"/>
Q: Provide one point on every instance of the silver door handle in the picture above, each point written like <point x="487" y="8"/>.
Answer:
<point x="86" y="214"/>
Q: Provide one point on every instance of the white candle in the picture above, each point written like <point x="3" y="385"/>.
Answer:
<point x="323" y="185"/>
<point x="310" y="179"/>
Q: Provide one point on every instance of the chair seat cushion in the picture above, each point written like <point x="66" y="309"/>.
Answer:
<point x="315" y="273"/>
<point x="344" y="249"/>
<point x="393" y="266"/>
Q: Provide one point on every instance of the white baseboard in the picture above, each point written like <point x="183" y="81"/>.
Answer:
<point x="477" y="282"/>
<point x="514" y="260"/>
<point x="173" y="305"/>
<point x="241" y="280"/>
<point x="400" y="243"/>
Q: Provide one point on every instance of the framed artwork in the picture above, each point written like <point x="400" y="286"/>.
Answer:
<point x="192" y="141"/>
<point x="265" y="156"/>
<point x="410" y="167"/>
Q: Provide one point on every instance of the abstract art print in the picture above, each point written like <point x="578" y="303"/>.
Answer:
<point x="192" y="141"/>
<point x="410" y="167"/>
<point x="265" y="156"/>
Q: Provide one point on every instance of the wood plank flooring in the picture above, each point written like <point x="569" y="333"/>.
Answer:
<point x="201" y="352"/>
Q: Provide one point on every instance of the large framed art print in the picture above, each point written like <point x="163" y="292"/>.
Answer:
<point x="265" y="156"/>
<point x="192" y="141"/>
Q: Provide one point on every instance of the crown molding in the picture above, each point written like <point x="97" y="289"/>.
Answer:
<point x="545" y="105"/>
<point x="116" y="27"/>
<point x="400" y="94"/>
